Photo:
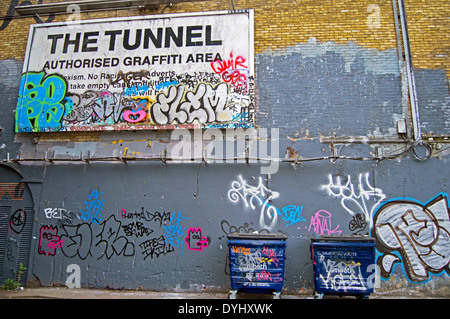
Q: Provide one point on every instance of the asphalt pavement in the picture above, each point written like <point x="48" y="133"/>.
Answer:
<point x="84" y="293"/>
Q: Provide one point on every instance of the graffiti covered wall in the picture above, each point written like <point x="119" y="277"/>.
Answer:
<point x="120" y="201"/>
<point x="119" y="236"/>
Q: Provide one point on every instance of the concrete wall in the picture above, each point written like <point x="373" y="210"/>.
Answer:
<point x="329" y="90"/>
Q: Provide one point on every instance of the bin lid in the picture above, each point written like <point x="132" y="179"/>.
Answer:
<point x="343" y="238"/>
<point x="274" y="236"/>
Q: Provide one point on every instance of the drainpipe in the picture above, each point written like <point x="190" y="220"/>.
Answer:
<point x="401" y="66"/>
<point x="410" y="72"/>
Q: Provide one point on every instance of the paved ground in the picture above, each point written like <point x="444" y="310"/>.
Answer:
<point x="66" y="293"/>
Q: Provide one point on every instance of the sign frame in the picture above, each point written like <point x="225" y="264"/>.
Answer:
<point x="104" y="75"/>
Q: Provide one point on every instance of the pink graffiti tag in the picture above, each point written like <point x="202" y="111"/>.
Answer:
<point x="271" y="254"/>
<point x="268" y="276"/>
<point x="134" y="116"/>
<point x="321" y="223"/>
<point x="232" y="70"/>
<point x="49" y="240"/>
<point x="195" y="240"/>
<point x="138" y="111"/>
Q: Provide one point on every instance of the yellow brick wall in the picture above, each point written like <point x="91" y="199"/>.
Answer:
<point x="282" y="23"/>
<point x="429" y="30"/>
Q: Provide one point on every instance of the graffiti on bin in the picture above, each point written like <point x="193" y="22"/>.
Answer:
<point x="256" y="267"/>
<point x="256" y="279"/>
<point x="340" y="272"/>
<point x="248" y="258"/>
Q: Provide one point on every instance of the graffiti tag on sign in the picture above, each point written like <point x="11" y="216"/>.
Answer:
<point x="40" y="105"/>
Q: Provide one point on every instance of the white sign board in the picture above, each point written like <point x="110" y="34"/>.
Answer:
<point x="152" y="72"/>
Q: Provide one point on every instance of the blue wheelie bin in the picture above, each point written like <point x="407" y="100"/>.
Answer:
<point x="256" y="263"/>
<point x="343" y="265"/>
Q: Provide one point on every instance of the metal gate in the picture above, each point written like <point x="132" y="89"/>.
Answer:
<point x="16" y="225"/>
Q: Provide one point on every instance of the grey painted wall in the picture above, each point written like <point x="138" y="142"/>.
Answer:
<point x="144" y="212"/>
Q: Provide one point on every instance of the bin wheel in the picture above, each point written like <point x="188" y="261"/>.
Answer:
<point x="276" y="295"/>
<point x="318" y="295"/>
<point x="232" y="294"/>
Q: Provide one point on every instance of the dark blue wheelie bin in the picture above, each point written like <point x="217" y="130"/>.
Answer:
<point x="343" y="265"/>
<point x="256" y="263"/>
